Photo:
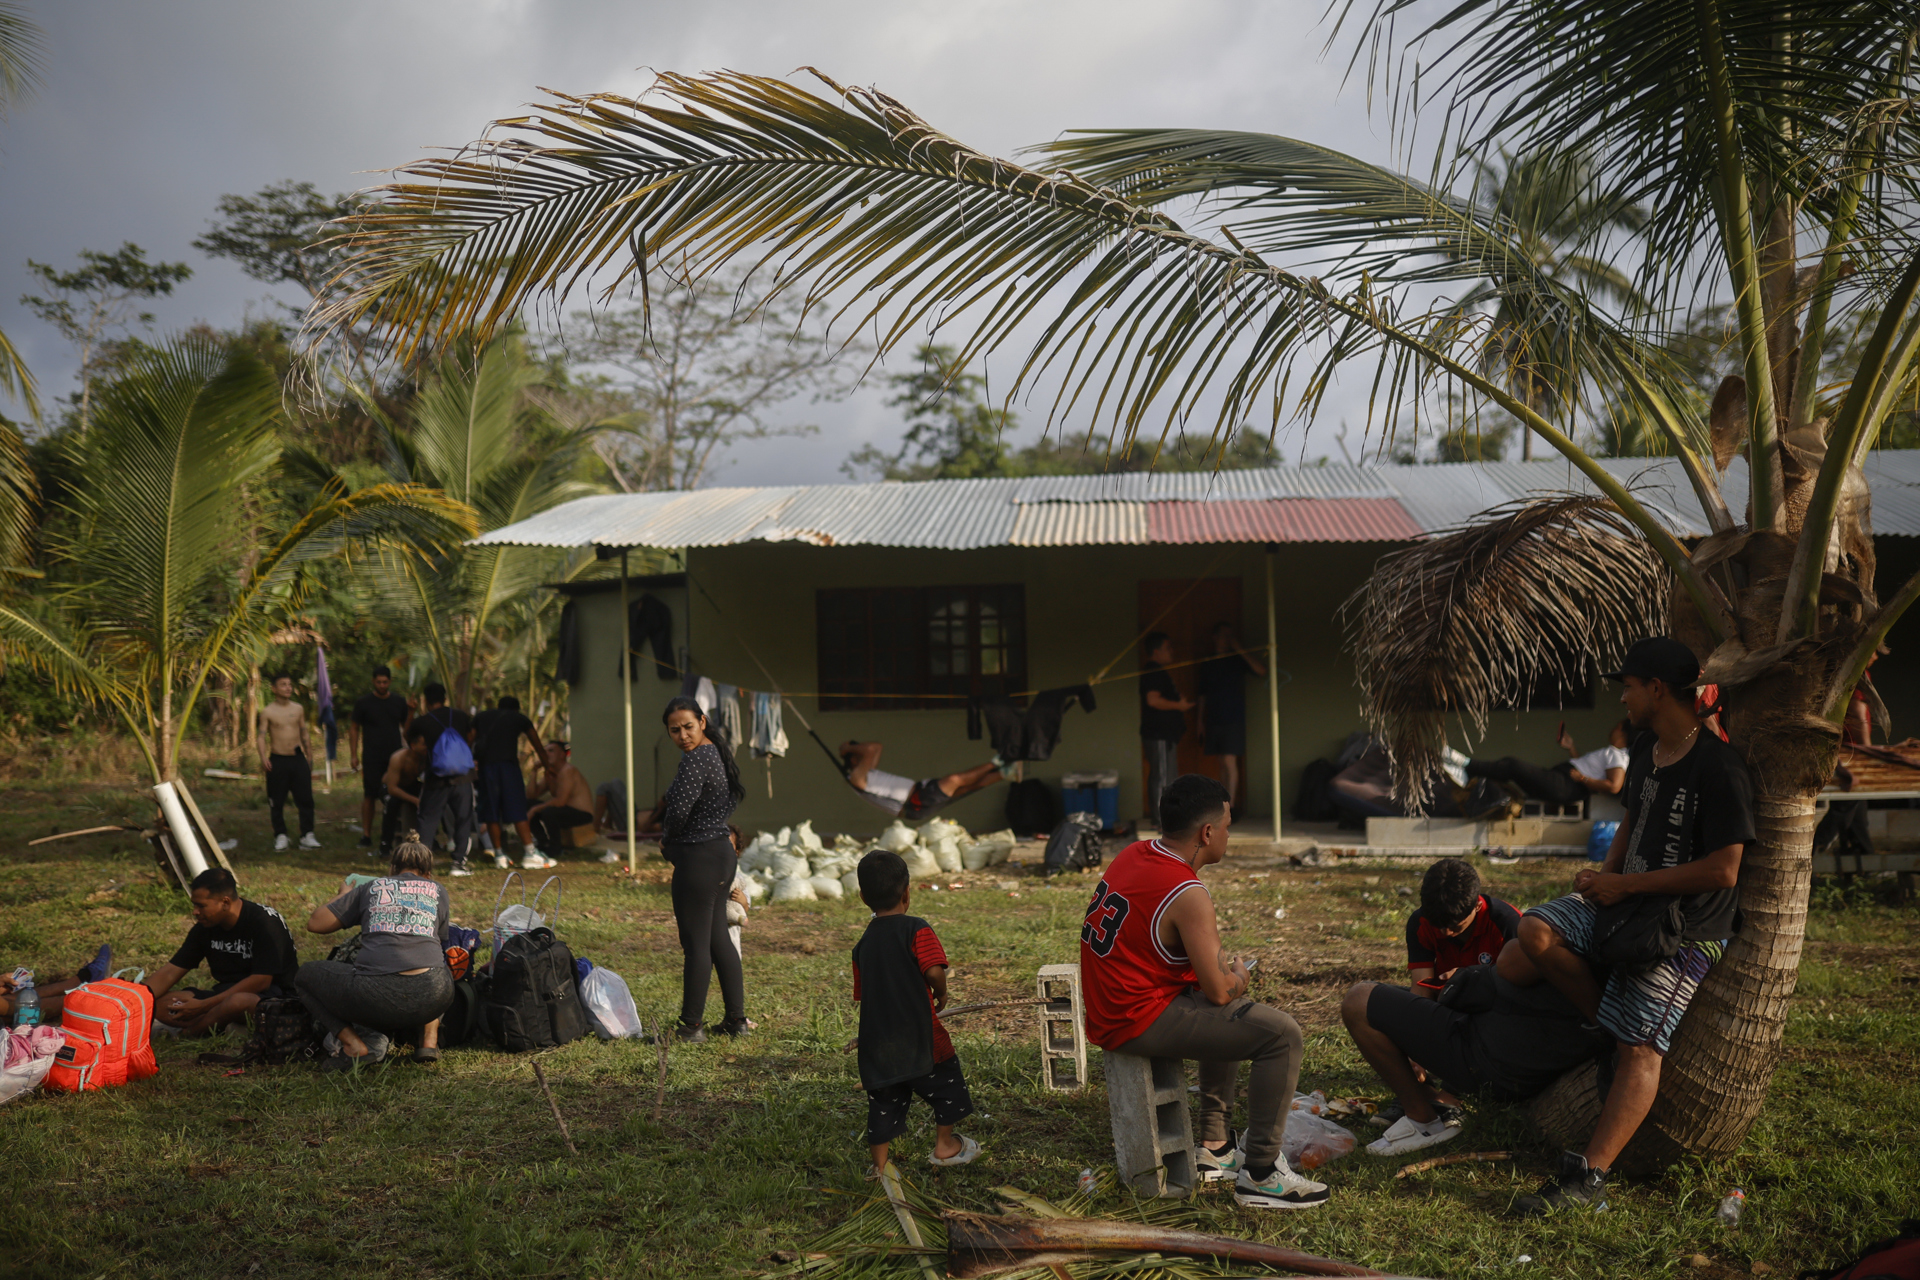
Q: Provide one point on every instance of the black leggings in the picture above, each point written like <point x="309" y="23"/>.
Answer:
<point x="702" y="878"/>
<point x="339" y="995"/>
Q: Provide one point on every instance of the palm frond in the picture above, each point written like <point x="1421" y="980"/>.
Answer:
<point x="16" y="380"/>
<point x="19" y="493"/>
<point x="866" y="200"/>
<point x="1473" y="620"/>
<point x="23" y="54"/>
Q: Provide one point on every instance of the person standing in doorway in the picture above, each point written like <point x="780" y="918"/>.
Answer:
<point x="1163" y="719"/>
<point x="503" y="790"/>
<point x="1223" y="705"/>
<point x="286" y="754"/>
<point x="381" y="718"/>
<point x="694" y="839"/>
<point x="443" y="792"/>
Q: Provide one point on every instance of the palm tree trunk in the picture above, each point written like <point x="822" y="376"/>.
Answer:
<point x="1715" y="1080"/>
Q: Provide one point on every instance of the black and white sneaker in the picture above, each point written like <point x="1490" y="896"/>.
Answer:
<point x="1281" y="1189"/>
<point x="1576" y="1185"/>
<point x="1217" y="1166"/>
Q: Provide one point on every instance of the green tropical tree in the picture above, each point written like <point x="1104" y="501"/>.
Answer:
<point x="144" y="601"/>
<point x="22" y="54"/>
<point x="476" y="432"/>
<point x="1771" y="147"/>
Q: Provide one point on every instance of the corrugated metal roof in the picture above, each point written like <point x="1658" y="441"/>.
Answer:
<point x="1294" y="520"/>
<point x="1335" y="503"/>
<point x="1082" y="524"/>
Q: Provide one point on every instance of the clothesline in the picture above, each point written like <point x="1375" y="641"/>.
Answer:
<point x="745" y="692"/>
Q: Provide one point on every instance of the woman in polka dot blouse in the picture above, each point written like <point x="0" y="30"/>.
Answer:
<point x="693" y="820"/>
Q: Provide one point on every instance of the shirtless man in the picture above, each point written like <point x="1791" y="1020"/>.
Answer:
<point x="571" y="805"/>
<point x="402" y="786"/>
<point x="286" y="749"/>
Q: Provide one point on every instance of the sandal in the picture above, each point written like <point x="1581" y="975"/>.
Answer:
<point x="426" y="1053"/>
<point x="968" y="1150"/>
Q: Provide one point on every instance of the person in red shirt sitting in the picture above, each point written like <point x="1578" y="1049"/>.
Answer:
<point x="1158" y="985"/>
<point x="900" y="982"/>
<point x="1456" y="926"/>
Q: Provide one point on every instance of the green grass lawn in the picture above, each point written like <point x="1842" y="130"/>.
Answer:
<point x="458" y="1170"/>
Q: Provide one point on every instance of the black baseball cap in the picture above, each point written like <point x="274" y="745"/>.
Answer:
<point x="1659" y="658"/>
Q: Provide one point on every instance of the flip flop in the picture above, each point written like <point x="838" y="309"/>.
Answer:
<point x="422" y="1053"/>
<point x="968" y="1150"/>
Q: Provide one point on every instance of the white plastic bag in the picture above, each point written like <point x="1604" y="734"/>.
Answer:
<point x="787" y="866"/>
<point x="898" y="837"/>
<point x="1311" y="1141"/>
<point x="22" y="1077"/>
<point x="850" y="884"/>
<point x="793" y="889"/>
<point x="937" y="829"/>
<point x="609" y="1005"/>
<point x="803" y="837"/>
<point x="921" y="864"/>
<point x="946" y="852"/>
<point x="825" y="887"/>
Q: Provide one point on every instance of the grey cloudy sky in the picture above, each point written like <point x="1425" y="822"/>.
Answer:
<point x="151" y="111"/>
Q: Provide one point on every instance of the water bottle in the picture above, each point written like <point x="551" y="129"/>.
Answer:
<point x="1730" y="1208"/>
<point x="26" y="1006"/>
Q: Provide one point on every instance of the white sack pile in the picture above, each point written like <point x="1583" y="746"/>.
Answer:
<point x="792" y="865"/>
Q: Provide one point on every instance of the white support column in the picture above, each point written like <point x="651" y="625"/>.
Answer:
<point x="626" y="723"/>
<point x="1273" y="689"/>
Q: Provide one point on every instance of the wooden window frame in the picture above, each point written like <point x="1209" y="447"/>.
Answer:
<point x="876" y="647"/>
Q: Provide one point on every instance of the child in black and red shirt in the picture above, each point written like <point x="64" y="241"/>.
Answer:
<point x="900" y="982"/>
<point x="1456" y="925"/>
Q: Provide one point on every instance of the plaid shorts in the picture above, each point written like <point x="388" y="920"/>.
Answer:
<point x="1639" y="1006"/>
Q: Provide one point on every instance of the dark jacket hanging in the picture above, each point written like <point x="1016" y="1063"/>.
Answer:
<point x="1029" y="734"/>
<point x="650" y="623"/>
<point x="567" y="665"/>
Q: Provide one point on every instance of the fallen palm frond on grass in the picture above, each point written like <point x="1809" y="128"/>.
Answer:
<point x="1143" y="1240"/>
<point x="1549" y="589"/>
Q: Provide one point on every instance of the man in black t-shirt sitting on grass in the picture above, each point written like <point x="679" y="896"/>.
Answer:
<point x="1689" y="818"/>
<point x="249" y="952"/>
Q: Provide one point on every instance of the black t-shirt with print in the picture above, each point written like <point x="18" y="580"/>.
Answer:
<point x="381" y="721"/>
<point x="259" y="942"/>
<point x="1157" y="723"/>
<point x="1701" y="802"/>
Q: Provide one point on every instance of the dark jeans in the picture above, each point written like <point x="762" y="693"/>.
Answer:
<point x="1220" y="1038"/>
<point x="551" y="824"/>
<point x="454" y="797"/>
<point x="1163" y="766"/>
<point x="290" y="774"/>
<point x="702" y="878"/>
<point x="1555" y="785"/>
<point x="338" y="995"/>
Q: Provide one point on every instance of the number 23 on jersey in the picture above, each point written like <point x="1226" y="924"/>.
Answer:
<point x="1104" y="915"/>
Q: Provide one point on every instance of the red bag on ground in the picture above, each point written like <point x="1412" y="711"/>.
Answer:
<point x="109" y="1026"/>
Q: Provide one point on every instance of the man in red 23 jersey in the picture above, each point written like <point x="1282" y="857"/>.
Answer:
<point x="1158" y="985"/>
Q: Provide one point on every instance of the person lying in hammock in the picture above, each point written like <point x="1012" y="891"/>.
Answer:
<point x="903" y="797"/>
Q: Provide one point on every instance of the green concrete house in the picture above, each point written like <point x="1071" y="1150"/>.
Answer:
<point x="878" y="609"/>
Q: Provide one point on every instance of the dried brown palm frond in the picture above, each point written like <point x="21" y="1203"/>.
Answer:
<point x="1552" y="587"/>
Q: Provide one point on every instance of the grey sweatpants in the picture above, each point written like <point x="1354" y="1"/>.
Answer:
<point x="339" y="995"/>
<point x="454" y="797"/>
<point x="1220" y="1038"/>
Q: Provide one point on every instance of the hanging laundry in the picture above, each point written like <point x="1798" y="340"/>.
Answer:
<point x="1030" y="733"/>
<point x="649" y="621"/>
<point x="769" y="738"/>
<point x="726" y="714"/>
<point x="567" y="666"/>
<point x="704" y="695"/>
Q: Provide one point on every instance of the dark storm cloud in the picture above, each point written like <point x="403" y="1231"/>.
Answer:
<point x="151" y="111"/>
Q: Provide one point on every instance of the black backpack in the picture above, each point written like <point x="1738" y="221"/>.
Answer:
<point x="532" y="1002"/>
<point x="1031" y="807"/>
<point x="1074" y="844"/>
<point x="461" y="1023"/>
<point x="1313" y="802"/>
<point x="283" y="1032"/>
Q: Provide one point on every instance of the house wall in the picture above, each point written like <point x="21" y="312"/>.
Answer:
<point x="1082" y="614"/>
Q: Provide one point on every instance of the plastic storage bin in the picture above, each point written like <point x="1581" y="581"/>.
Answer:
<point x="1097" y="793"/>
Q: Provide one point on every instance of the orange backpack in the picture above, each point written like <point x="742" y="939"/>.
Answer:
<point x="109" y="1026"/>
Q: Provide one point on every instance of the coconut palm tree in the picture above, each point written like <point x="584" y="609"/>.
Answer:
<point x="476" y="433"/>
<point x="22" y="52"/>
<point x="1770" y="146"/>
<point x="144" y="604"/>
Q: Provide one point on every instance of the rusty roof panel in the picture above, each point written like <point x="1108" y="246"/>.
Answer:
<point x="1294" y="520"/>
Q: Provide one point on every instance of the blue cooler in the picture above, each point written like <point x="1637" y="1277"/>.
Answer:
<point x="1600" y="839"/>
<point x="1097" y="793"/>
